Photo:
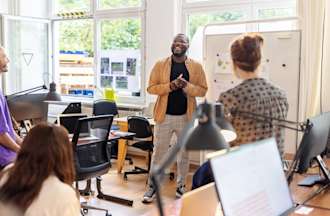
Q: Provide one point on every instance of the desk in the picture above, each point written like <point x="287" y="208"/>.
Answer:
<point x="113" y="135"/>
<point x="122" y="146"/>
<point x="320" y="203"/>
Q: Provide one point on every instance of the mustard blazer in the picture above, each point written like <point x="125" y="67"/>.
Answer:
<point x="159" y="84"/>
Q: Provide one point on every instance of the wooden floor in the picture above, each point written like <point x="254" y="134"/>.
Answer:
<point x="133" y="188"/>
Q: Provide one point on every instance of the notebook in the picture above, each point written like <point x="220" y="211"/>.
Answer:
<point x="201" y="201"/>
<point x="250" y="180"/>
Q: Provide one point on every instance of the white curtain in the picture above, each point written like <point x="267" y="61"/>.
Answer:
<point x="326" y="62"/>
<point x="315" y="51"/>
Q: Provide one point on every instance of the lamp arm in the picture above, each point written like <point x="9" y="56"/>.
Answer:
<point x="302" y="126"/>
<point x="157" y="173"/>
<point x="24" y="92"/>
<point x="288" y="127"/>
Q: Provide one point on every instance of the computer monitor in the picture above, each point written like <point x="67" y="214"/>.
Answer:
<point x="312" y="146"/>
<point x="74" y="107"/>
<point x="69" y="121"/>
<point x="250" y="180"/>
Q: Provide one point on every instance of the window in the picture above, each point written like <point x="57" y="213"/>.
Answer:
<point x="276" y="10"/>
<point x="26" y="42"/>
<point x="111" y="4"/>
<point x="120" y="56"/>
<point x="199" y="13"/>
<point x="64" y="6"/>
<point x="198" y="20"/>
<point x="101" y="50"/>
<point x="75" y="64"/>
<point x="267" y="13"/>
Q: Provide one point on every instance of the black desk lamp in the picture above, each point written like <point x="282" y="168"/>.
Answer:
<point x="52" y="94"/>
<point x="24" y="105"/>
<point x="205" y="136"/>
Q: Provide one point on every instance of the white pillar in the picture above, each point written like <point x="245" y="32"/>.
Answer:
<point x="162" y="24"/>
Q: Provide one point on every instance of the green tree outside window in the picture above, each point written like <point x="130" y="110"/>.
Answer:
<point x="197" y="20"/>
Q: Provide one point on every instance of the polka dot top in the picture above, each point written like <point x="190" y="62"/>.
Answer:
<point x="258" y="96"/>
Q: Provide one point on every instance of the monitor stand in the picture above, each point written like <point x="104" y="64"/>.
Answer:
<point x="317" y="179"/>
<point x="312" y="180"/>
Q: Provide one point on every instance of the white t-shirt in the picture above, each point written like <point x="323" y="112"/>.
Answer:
<point x="55" y="198"/>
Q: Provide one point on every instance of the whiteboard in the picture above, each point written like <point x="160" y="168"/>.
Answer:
<point x="280" y="65"/>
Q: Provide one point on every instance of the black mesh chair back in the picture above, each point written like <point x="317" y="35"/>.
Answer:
<point x="142" y="129"/>
<point x="91" y="156"/>
<point x="90" y="146"/>
<point x="140" y="126"/>
<point x="105" y="107"/>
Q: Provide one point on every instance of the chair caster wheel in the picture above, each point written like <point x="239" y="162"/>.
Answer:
<point x="85" y="211"/>
<point x="125" y="177"/>
<point x="171" y="176"/>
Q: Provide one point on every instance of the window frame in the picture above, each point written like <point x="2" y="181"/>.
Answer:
<point x="272" y="5"/>
<point x="97" y="7"/>
<point x="97" y="16"/>
<point x="250" y="6"/>
<point x="4" y="41"/>
<point x="191" y="11"/>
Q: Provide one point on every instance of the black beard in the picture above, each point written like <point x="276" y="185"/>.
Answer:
<point x="179" y="54"/>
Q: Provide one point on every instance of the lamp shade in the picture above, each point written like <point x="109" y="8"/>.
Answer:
<point x="52" y="94"/>
<point x="206" y="136"/>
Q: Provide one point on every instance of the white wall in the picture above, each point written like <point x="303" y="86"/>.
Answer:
<point x="33" y="8"/>
<point x="161" y="26"/>
<point x="4" y="6"/>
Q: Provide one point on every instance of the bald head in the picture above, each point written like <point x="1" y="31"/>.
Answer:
<point x="3" y="60"/>
<point x="183" y="36"/>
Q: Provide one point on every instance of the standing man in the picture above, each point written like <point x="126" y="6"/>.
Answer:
<point x="9" y="140"/>
<point x="177" y="81"/>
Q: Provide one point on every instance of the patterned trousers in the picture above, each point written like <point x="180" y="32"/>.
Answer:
<point x="173" y="124"/>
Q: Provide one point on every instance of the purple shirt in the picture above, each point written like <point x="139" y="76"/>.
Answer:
<point x="6" y="126"/>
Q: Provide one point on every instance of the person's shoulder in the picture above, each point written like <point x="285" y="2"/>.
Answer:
<point x="193" y="61"/>
<point x="163" y="61"/>
<point x="277" y="89"/>
<point x="57" y="185"/>
<point x="54" y="197"/>
<point x="235" y="90"/>
<point x="226" y="95"/>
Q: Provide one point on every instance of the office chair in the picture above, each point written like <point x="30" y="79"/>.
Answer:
<point x="142" y="129"/>
<point x="91" y="157"/>
<point x="105" y="107"/>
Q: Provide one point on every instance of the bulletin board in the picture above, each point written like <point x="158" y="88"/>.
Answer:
<point x="280" y="65"/>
